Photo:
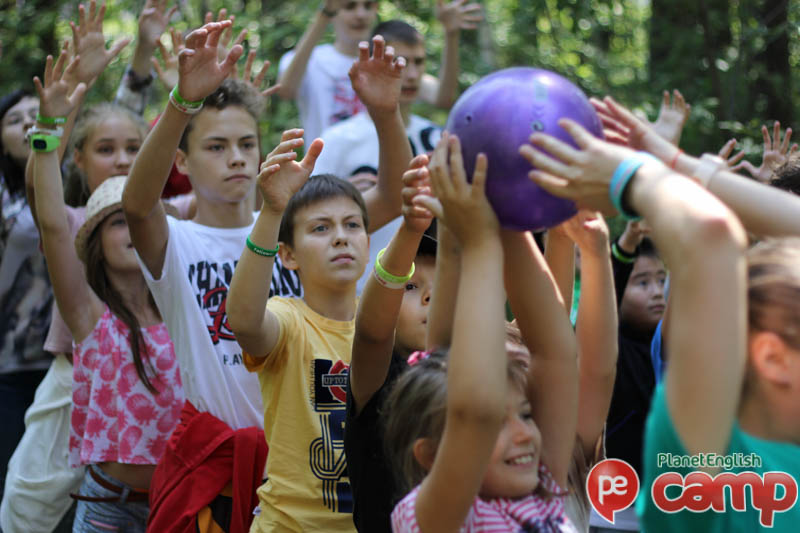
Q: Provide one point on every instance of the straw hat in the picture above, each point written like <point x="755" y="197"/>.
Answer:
<point x="106" y="199"/>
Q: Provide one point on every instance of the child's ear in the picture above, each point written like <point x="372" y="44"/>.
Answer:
<point x="424" y="451"/>
<point x="771" y="357"/>
<point x="180" y="162"/>
<point x="77" y="158"/>
<point x="286" y="253"/>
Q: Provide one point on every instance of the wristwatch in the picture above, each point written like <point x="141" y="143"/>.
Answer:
<point x="44" y="142"/>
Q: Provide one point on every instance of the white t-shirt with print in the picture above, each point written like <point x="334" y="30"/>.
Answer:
<point x="351" y="147"/>
<point x="325" y="95"/>
<point x="191" y="294"/>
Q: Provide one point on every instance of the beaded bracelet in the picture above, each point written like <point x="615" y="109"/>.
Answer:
<point x="388" y="280"/>
<point x="622" y="176"/>
<point x="51" y="121"/>
<point x="263" y="252"/>
<point x="182" y="105"/>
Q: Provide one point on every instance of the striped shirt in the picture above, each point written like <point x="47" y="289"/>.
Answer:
<point x="529" y="514"/>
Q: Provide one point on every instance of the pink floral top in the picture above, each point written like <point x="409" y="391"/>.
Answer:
<point x="531" y="513"/>
<point x="114" y="416"/>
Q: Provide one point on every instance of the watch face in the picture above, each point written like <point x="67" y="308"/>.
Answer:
<point x="39" y="144"/>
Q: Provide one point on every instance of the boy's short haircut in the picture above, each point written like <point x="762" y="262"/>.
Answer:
<point x="787" y="176"/>
<point x="394" y="31"/>
<point x="232" y="92"/>
<point x="317" y="189"/>
<point x="648" y="249"/>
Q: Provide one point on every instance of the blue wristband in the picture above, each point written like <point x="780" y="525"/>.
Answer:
<point x="620" y="179"/>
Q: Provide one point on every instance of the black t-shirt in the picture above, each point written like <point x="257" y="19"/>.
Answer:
<point x="630" y="403"/>
<point x="371" y="478"/>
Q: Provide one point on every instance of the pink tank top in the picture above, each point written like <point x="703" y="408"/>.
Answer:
<point x="114" y="416"/>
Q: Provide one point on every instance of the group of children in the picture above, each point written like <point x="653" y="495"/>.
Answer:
<point x="258" y="356"/>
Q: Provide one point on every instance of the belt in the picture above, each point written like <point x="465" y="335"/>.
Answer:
<point x="133" y="495"/>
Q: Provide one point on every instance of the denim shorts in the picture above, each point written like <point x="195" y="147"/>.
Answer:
<point x="108" y="517"/>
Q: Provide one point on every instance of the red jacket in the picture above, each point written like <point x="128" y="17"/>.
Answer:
<point x="203" y="455"/>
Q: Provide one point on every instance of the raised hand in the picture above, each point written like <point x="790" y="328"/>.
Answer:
<point x="89" y="43"/>
<point x="582" y="175"/>
<point x="458" y="15"/>
<point x="227" y="34"/>
<point x="281" y="176"/>
<point x="589" y="231"/>
<point x="640" y="135"/>
<point x="56" y="97"/>
<point x="613" y="131"/>
<point x="153" y="21"/>
<point x="416" y="181"/>
<point x="258" y="80"/>
<point x="776" y="153"/>
<point x="635" y="232"/>
<point x="672" y="117"/>
<point x="199" y="72"/>
<point x="726" y="151"/>
<point x="461" y="206"/>
<point x="377" y="79"/>
<point x="168" y="74"/>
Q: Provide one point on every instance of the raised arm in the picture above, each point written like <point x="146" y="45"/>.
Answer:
<point x="596" y="329"/>
<point x="71" y="290"/>
<point x="553" y="376"/>
<point x="199" y="75"/>
<point x="376" y="80"/>
<point x="702" y="242"/>
<point x="454" y="16"/>
<point x="379" y="307"/>
<point x="291" y="78"/>
<point x="256" y="328"/>
<point x="559" y="252"/>
<point x="477" y="381"/>
<point x="445" y="289"/>
<point x="744" y="196"/>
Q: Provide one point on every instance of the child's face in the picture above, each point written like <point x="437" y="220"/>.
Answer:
<point x="355" y="20"/>
<point x="412" y="323"/>
<point x="16" y="122"/>
<point x="223" y="155"/>
<point x="643" y="302"/>
<point x="414" y="70"/>
<point x="513" y="470"/>
<point x="331" y="246"/>
<point x="116" y="242"/>
<point x="109" y="150"/>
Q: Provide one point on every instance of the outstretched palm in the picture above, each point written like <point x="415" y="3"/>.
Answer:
<point x="281" y="176"/>
<point x="377" y="79"/>
<point x="199" y="72"/>
<point x="90" y="44"/>
<point x="56" y="98"/>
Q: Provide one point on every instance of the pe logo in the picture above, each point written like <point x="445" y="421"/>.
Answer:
<point x="612" y="486"/>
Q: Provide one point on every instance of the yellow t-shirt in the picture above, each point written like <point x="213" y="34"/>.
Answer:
<point x="304" y="386"/>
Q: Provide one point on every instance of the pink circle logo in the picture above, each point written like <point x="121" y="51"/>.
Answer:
<point x="612" y="486"/>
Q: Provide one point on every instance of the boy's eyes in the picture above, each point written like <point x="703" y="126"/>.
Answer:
<point x="353" y="225"/>
<point x="215" y="147"/>
<point x="320" y="227"/>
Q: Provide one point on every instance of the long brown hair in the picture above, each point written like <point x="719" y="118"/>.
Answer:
<point x="98" y="280"/>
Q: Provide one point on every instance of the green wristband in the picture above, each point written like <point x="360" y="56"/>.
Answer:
<point x="390" y="280"/>
<point x="621" y="255"/>
<point x="51" y="121"/>
<point x="263" y="252"/>
<point x="185" y="103"/>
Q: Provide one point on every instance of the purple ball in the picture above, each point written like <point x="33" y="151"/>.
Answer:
<point x="496" y="116"/>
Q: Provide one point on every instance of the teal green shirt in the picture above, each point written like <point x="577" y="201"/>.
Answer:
<point x="661" y="437"/>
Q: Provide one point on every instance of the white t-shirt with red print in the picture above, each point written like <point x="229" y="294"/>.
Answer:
<point x="114" y="416"/>
<point x="191" y="292"/>
<point x="325" y="95"/>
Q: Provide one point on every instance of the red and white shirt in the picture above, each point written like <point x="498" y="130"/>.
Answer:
<point x="528" y="514"/>
<point x="114" y="416"/>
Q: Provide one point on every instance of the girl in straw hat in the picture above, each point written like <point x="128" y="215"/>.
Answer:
<point x="126" y="386"/>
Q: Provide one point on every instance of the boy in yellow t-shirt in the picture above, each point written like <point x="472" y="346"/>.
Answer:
<point x="301" y="348"/>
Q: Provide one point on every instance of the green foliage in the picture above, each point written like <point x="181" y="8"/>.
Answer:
<point x="720" y="54"/>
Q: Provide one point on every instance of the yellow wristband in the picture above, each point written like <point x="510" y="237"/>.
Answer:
<point x="388" y="280"/>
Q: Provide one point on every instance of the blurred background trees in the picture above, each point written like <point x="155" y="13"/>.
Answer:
<point x="733" y="60"/>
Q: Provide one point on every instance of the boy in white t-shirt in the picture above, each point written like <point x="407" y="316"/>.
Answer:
<point x="210" y="128"/>
<point x="352" y="144"/>
<point x="315" y="76"/>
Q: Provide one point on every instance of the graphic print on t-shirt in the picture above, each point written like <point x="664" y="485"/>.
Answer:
<point x="210" y="283"/>
<point x="345" y="101"/>
<point x="326" y="454"/>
